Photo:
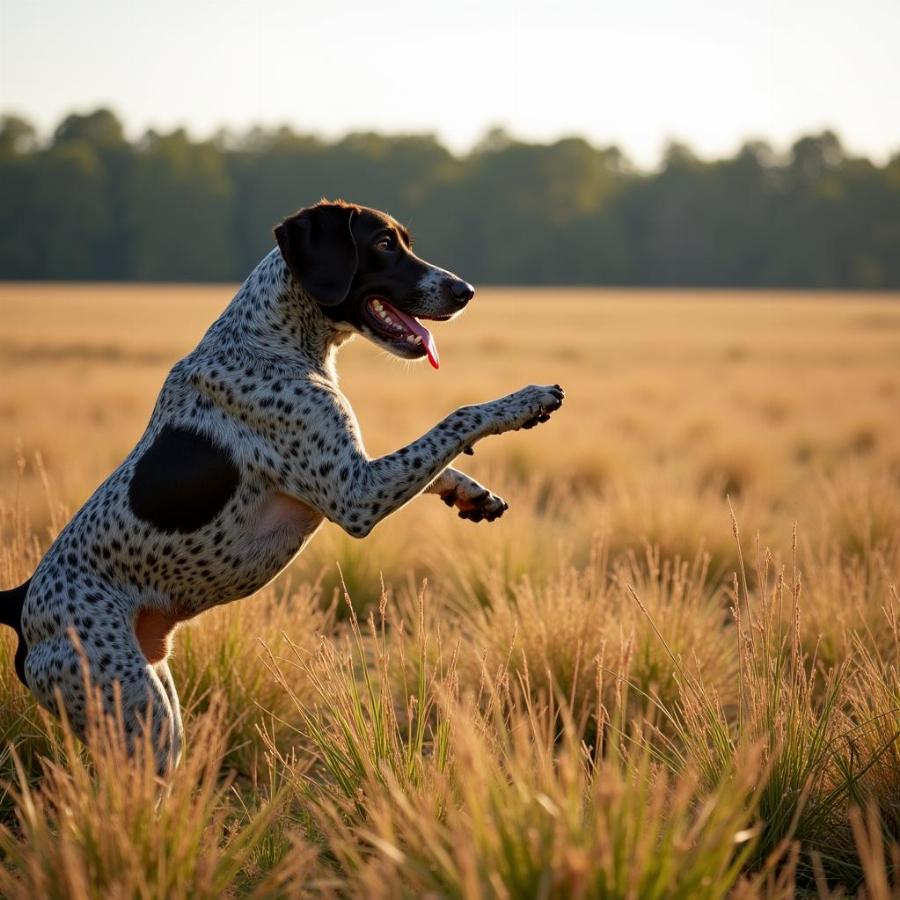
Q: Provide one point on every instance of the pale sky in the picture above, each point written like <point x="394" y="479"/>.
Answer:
<point x="708" y="72"/>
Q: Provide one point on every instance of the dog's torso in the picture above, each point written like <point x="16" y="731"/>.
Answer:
<point x="193" y="517"/>
<point x="138" y="566"/>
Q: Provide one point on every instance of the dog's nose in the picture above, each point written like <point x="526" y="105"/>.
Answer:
<point x="462" y="291"/>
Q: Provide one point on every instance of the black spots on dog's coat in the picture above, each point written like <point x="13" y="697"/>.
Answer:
<point x="182" y="481"/>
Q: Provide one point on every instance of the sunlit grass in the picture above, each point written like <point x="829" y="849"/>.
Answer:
<point x="611" y="692"/>
<point x="102" y="824"/>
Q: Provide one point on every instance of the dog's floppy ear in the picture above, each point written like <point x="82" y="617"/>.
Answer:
<point x="319" y="249"/>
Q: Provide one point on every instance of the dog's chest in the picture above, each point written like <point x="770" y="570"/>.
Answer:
<point x="273" y="532"/>
<point x="257" y="541"/>
<point x="280" y="517"/>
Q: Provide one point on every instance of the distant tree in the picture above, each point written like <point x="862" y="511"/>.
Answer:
<point x="181" y="207"/>
<point x="515" y="198"/>
<point x="814" y="156"/>
<point x="17" y="136"/>
<point x="100" y="128"/>
<point x="668" y="221"/>
<point x="68" y="216"/>
<point x="100" y="134"/>
<point x="495" y="140"/>
<point x="18" y="164"/>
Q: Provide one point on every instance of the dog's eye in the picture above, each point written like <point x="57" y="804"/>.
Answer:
<point x="385" y="242"/>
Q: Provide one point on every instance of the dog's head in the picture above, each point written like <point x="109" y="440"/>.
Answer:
<point x="358" y="265"/>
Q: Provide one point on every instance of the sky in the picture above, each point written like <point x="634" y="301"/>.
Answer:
<point x="710" y="73"/>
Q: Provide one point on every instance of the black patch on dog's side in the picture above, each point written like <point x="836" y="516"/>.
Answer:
<point x="11" y="603"/>
<point x="182" y="481"/>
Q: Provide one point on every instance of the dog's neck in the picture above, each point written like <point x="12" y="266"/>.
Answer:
<point x="271" y="318"/>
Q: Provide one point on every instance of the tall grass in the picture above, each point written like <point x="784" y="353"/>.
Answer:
<point x="101" y="824"/>
<point x="558" y="629"/>
<point x="21" y="725"/>
<point x="610" y="730"/>
<point x="431" y="792"/>
<point x="611" y="692"/>
<point x="826" y="741"/>
<point x="224" y="654"/>
<point x="529" y="813"/>
<point x="362" y="729"/>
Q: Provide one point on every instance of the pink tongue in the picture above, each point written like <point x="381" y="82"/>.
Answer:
<point x="421" y="331"/>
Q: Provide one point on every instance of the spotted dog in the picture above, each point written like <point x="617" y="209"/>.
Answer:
<point x="250" y="446"/>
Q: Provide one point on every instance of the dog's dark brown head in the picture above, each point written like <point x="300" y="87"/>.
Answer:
<point x="358" y="265"/>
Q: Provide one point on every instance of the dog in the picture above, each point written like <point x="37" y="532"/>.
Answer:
<point x="250" y="447"/>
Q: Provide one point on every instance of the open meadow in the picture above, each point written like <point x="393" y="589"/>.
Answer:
<point x="670" y="670"/>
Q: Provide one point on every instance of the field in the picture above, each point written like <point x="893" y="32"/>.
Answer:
<point x="669" y="671"/>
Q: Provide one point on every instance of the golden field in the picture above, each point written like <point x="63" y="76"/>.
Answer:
<point x="607" y="693"/>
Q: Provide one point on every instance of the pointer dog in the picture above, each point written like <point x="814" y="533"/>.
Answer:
<point x="251" y="445"/>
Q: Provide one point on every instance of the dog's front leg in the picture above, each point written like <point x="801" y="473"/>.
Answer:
<point x="357" y="492"/>
<point x="473" y="500"/>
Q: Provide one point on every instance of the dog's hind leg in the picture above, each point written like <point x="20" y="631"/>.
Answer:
<point x="168" y="683"/>
<point x="55" y="671"/>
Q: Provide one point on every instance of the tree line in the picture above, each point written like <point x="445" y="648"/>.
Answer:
<point x="87" y="203"/>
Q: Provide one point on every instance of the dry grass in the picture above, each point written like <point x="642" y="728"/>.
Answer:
<point x="596" y="696"/>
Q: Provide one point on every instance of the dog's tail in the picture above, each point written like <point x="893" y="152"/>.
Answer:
<point x="11" y="603"/>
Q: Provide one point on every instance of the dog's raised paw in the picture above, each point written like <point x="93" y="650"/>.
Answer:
<point x="540" y="402"/>
<point x="481" y="507"/>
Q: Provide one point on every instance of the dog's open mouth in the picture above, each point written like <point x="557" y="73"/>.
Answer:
<point x="401" y="329"/>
